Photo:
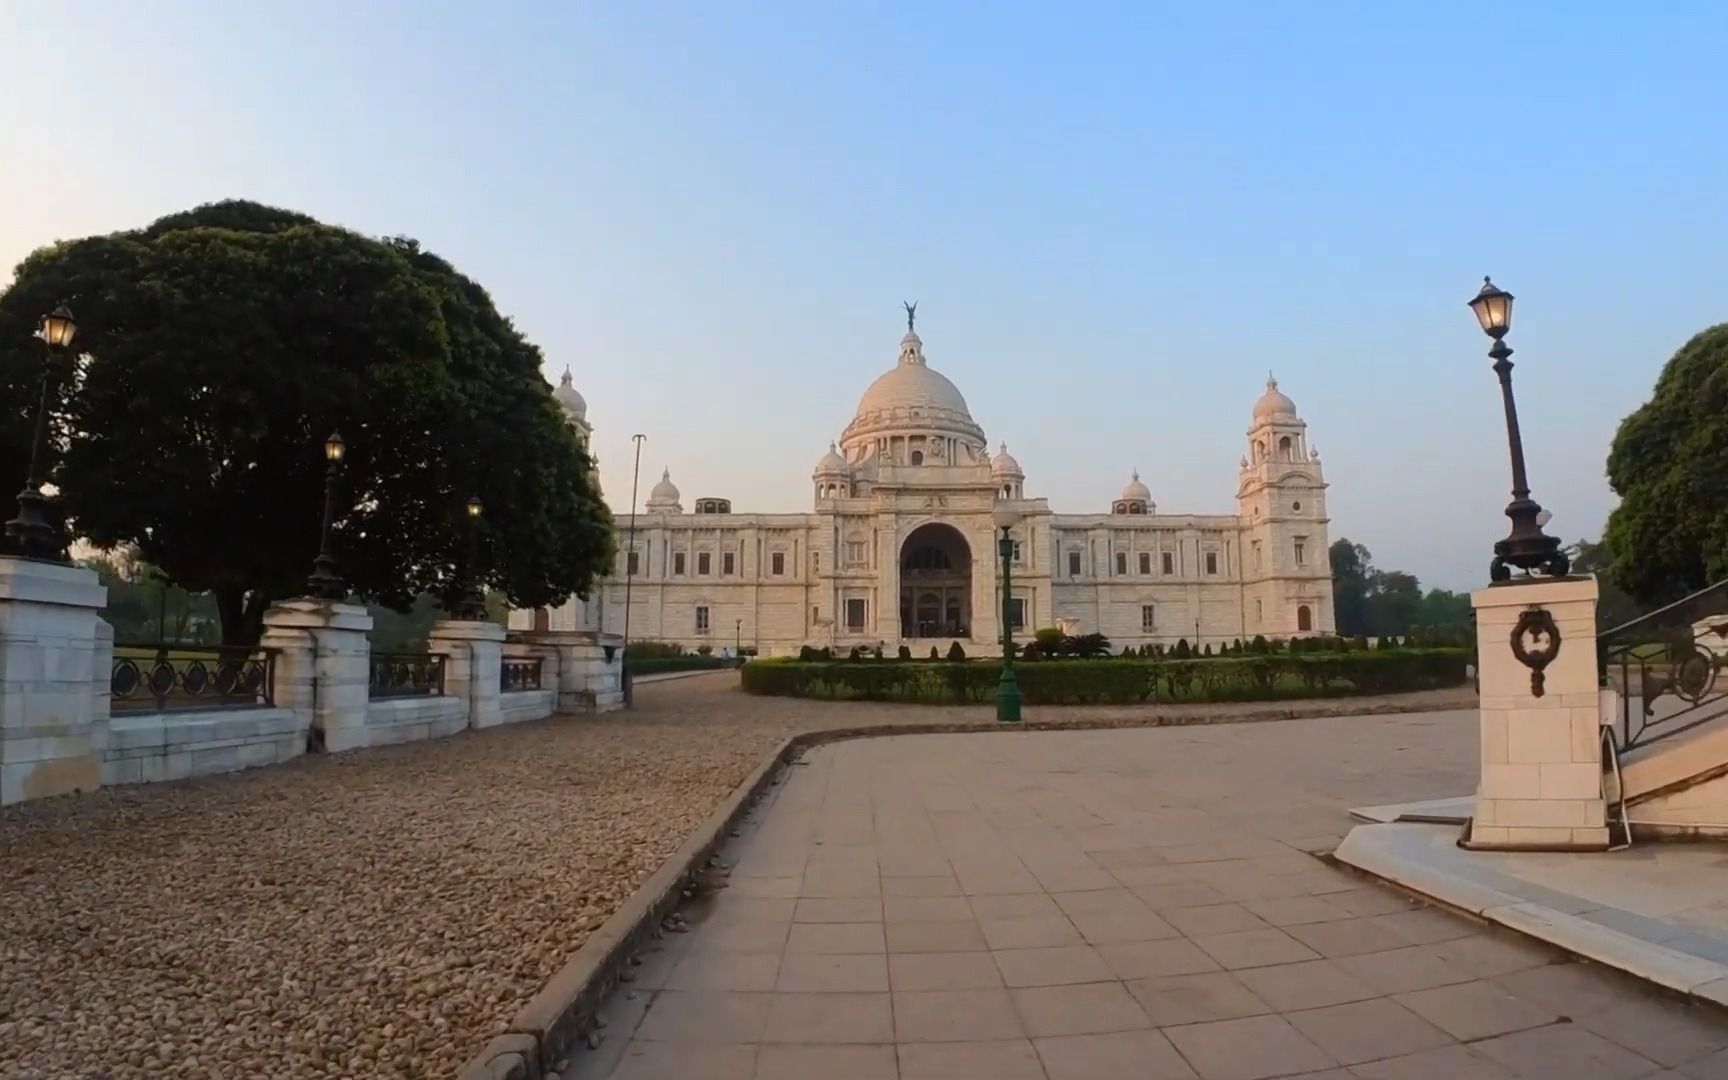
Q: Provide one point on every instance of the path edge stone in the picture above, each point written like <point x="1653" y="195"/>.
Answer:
<point x="556" y="1021"/>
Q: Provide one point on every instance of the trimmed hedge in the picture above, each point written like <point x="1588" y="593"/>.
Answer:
<point x="655" y="665"/>
<point x="1119" y="682"/>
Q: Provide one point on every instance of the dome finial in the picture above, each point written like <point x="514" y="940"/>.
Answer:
<point x="911" y="313"/>
<point x="1271" y="383"/>
<point x="566" y="380"/>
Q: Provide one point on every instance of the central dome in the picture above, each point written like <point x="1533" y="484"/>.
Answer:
<point x="911" y="398"/>
<point x="912" y="385"/>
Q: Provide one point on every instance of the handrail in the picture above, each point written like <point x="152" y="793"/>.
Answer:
<point x="1671" y="672"/>
<point x="405" y="674"/>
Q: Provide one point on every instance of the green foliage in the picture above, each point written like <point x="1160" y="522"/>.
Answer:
<point x="1387" y="603"/>
<point x="1181" y="651"/>
<point x="144" y="608"/>
<point x="655" y="665"/>
<point x="1120" y="682"/>
<point x="224" y="343"/>
<point x="955" y="652"/>
<point x="642" y="650"/>
<point x="1669" y="535"/>
<point x="934" y="655"/>
<point x="904" y="652"/>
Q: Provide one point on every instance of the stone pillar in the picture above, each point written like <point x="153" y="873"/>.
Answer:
<point x="588" y="679"/>
<point x="1541" y="786"/>
<point x="323" y="668"/>
<point x="55" y="652"/>
<point x="475" y="649"/>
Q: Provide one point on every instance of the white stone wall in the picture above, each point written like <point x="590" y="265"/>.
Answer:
<point x="521" y="705"/>
<point x="173" y="746"/>
<point x="410" y="719"/>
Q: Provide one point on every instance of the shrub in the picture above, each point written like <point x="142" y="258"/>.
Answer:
<point x="806" y="654"/>
<point x="955" y="652"/>
<point x="655" y="665"/>
<point x="1118" y="681"/>
<point x="704" y="650"/>
<point x="855" y="653"/>
<point x="643" y="650"/>
<point x="905" y="652"/>
<point x="1181" y="651"/>
<point x="934" y="655"/>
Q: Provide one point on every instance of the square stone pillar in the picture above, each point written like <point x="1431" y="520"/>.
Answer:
<point x="475" y="649"/>
<point x="323" y="668"/>
<point x="1541" y="786"/>
<point x="588" y="679"/>
<point x="55" y="652"/>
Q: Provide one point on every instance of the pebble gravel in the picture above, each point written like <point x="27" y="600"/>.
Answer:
<point x="375" y="914"/>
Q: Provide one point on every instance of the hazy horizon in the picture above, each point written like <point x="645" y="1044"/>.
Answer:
<point x="1115" y="221"/>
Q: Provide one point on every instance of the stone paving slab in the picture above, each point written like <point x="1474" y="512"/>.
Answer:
<point x="1656" y="910"/>
<point x="1110" y="904"/>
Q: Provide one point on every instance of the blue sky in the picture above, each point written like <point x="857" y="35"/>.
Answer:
<point x="1116" y="218"/>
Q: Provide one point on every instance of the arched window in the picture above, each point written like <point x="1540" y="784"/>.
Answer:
<point x="1259" y="450"/>
<point x="917" y="457"/>
<point x="1304" y="618"/>
<point x="1284" y="449"/>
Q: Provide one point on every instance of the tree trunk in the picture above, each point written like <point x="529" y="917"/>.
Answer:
<point x="242" y="615"/>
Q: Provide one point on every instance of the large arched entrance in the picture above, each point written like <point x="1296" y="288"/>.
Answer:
<point x="935" y="583"/>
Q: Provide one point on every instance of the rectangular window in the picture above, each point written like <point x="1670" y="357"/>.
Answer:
<point x="678" y="562"/>
<point x="727" y="565"/>
<point x="854" y="613"/>
<point x="1019" y="557"/>
<point x="854" y="553"/>
<point x="703" y="563"/>
<point x="1169" y="563"/>
<point x="701" y="620"/>
<point x="1145" y="562"/>
<point x="1256" y="554"/>
<point x="631" y="565"/>
<point x="1121" y="564"/>
<point x="1148" y="616"/>
<point x="815" y="614"/>
<point x="1073" y="564"/>
<point x="1017" y="612"/>
<point x="815" y="562"/>
<point x="777" y="563"/>
<point x="1259" y="610"/>
<point x="1211" y="562"/>
<point x="1301" y="551"/>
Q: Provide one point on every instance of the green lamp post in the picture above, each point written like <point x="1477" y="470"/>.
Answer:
<point x="1007" y="689"/>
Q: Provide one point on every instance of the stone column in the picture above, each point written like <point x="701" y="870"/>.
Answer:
<point x="323" y="668"/>
<point x="476" y="652"/>
<point x="1541" y="786"/>
<point x="588" y="680"/>
<point x="54" y="670"/>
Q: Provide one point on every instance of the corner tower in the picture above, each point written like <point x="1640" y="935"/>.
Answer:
<point x="1281" y="496"/>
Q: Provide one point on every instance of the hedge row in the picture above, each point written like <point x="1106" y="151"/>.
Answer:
<point x="1119" y="682"/>
<point x="655" y="665"/>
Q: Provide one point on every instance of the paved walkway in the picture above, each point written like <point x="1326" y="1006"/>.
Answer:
<point x="1116" y="904"/>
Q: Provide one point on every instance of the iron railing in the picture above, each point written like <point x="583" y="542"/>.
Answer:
<point x="394" y="675"/>
<point x="158" y="677"/>
<point x="1666" y="667"/>
<point x="519" y="673"/>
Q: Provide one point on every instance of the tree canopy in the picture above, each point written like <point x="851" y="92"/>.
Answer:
<point x="217" y="349"/>
<point x="1669" y="535"/>
<point x="1370" y="602"/>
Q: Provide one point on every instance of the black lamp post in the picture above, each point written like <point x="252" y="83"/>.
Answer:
<point x="1007" y="687"/>
<point x="738" y="639"/>
<point x="473" y="602"/>
<point x="1526" y="547"/>
<point x="31" y="533"/>
<point x="325" y="583"/>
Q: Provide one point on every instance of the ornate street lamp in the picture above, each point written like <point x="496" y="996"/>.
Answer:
<point x="31" y="533"/>
<point x="1527" y="547"/>
<point x="1007" y="688"/>
<point x="325" y="583"/>
<point x="472" y="604"/>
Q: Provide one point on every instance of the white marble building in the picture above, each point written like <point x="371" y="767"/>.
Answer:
<point x="899" y="546"/>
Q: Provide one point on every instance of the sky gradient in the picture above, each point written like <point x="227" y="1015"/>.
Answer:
<point x="1115" y="218"/>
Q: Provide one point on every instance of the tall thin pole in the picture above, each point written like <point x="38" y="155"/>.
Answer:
<point x="1007" y="688"/>
<point x="630" y="560"/>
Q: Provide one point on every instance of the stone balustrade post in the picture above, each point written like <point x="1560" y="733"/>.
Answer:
<point x="323" y="668"/>
<point x="475" y="652"/>
<point x="589" y="680"/>
<point x="55" y="656"/>
<point x="1541" y="780"/>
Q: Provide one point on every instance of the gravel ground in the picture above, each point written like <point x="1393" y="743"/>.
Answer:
<point x="381" y="913"/>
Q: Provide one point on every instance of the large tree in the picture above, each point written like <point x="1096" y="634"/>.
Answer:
<point x="220" y="346"/>
<point x="1669" y="535"/>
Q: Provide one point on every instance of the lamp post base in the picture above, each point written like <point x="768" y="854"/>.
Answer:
<point x="1008" y="698"/>
<point x="31" y="534"/>
<point x="1527" y="547"/>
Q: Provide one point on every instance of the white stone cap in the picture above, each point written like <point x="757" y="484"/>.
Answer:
<point x="467" y="630"/>
<point x="40" y="582"/>
<point x="1522" y="592"/>
<point x="313" y="613"/>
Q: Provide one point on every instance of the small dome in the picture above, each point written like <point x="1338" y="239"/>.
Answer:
<point x="567" y="396"/>
<point x="666" y="491"/>
<point x="1135" y="491"/>
<point x="1003" y="464"/>
<point x="831" y="462"/>
<point x="1273" y="403"/>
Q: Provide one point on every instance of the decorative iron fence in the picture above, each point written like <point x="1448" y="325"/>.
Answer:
<point x="520" y="673"/>
<point x="1667" y="666"/>
<point x="169" y="678"/>
<point x="395" y="675"/>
